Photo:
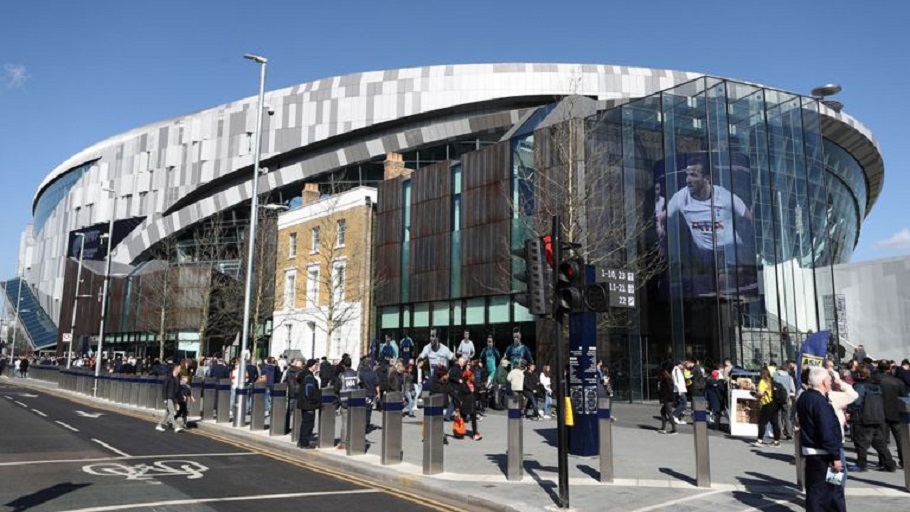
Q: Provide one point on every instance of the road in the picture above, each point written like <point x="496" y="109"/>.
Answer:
<point x="58" y="455"/>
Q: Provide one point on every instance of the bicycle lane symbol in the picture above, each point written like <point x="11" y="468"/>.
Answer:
<point x="148" y="472"/>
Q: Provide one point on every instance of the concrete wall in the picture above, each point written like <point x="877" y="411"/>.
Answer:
<point x="877" y="297"/>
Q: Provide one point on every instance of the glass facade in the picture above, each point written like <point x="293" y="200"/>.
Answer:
<point x="55" y="193"/>
<point x="746" y="205"/>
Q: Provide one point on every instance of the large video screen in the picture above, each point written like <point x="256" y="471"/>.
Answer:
<point x="704" y="223"/>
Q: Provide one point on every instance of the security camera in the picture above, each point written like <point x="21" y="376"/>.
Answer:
<point x="270" y="109"/>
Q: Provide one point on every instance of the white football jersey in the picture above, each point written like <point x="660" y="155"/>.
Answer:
<point x="711" y="219"/>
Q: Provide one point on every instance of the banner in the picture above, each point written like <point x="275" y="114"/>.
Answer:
<point x="812" y="353"/>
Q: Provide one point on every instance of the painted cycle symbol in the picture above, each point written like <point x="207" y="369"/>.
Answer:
<point x="143" y="472"/>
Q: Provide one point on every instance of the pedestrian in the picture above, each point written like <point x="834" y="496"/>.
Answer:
<point x="769" y="408"/>
<point x="821" y="439"/>
<point x="309" y="397"/>
<point x="23" y="368"/>
<point x="185" y="397"/>
<point x="782" y="377"/>
<point x="347" y="380"/>
<point x="547" y="384"/>
<point x="666" y="394"/>
<point x="529" y="390"/>
<point x="679" y="390"/>
<point x="171" y="396"/>
<point x="715" y="394"/>
<point x="408" y="389"/>
<point x="867" y="417"/>
<point x="892" y="391"/>
<point x="467" y="403"/>
<point x="369" y="381"/>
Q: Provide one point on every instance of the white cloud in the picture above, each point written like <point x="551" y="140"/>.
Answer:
<point x="899" y="240"/>
<point x="14" y="75"/>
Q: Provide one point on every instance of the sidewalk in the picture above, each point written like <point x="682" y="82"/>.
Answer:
<point x="652" y="471"/>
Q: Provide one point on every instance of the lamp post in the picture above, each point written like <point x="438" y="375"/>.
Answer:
<point x="239" y="380"/>
<point x="107" y="280"/>
<point x="69" y="348"/>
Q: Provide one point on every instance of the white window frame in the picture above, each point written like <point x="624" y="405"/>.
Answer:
<point x="292" y="245"/>
<point x="312" y="285"/>
<point x="290" y="288"/>
<point x="339" y="267"/>
<point x="316" y="237"/>
<point x="341" y="232"/>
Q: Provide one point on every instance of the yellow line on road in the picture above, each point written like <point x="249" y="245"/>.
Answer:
<point x="394" y="491"/>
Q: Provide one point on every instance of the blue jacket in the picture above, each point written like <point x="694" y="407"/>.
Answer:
<point x="819" y="428"/>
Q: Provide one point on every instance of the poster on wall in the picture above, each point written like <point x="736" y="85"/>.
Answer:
<point x="703" y="203"/>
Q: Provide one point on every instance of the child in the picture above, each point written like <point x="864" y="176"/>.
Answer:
<point x="186" y="395"/>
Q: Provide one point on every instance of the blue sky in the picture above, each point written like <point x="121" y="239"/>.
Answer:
<point x="74" y="73"/>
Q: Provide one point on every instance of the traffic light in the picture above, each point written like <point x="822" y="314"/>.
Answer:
<point x="569" y="286"/>
<point x="536" y="275"/>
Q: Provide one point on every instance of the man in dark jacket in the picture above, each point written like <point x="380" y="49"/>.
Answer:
<point x="370" y="382"/>
<point x="531" y="383"/>
<point x="822" y="443"/>
<point x="346" y="380"/>
<point x="171" y="394"/>
<point x="292" y="379"/>
<point x="892" y="391"/>
<point x="309" y="397"/>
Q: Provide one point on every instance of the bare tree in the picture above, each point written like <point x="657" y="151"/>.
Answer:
<point x="157" y="304"/>
<point x="263" y="297"/>
<point x="572" y="166"/>
<point x="343" y="254"/>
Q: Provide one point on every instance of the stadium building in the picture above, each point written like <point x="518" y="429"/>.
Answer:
<point x="732" y="200"/>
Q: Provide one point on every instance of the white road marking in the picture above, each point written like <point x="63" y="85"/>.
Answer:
<point x="28" y="395"/>
<point x="174" y="503"/>
<point x="89" y="414"/>
<point x="7" y="397"/>
<point x="192" y="470"/>
<point x="130" y="457"/>
<point x="666" y="504"/>
<point x="111" y="448"/>
<point x="39" y="413"/>
<point x="20" y="403"/>
<point x="64" y="425"/>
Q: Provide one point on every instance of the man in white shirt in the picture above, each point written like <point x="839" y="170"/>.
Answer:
<point x="710" y="212"/>
<point x="679" y="388"/>
<point x="435" y="352"/>
<point x="466" y="347"/>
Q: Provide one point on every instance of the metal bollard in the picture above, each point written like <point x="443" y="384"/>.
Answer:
<point x="515" y="442"/>
<point x="135" y="389"/>
<point x="798" y="459"/>
<point x="433" y="435"/>
<point x="279" y="413"/>
<point x="194" y="407"/>
<point x="605" y="434"/>
<point x="295" y="427"/>
<point x="257" y="409"/>
<point x="391" y="428"/>
<point x="209" y="397"/>
<point x="327" y="419"/>
<point x="243" y="393"/>
<point x="223" y="401"/>
<point x="356" y="423"/>
<point x="702" y="455"/>
<point x="905" y="439"/>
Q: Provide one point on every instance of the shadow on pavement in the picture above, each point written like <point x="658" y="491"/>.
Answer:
<point x="852" y="476"/>
<point x="781" y="456"/>
<point x="44" y="495"/>
<point x="501" y="460"/>
<point x="548" y="434"/>
<point x="763" y="480"/>
<point x="533" y="468"/>
<point x="588" y="470"/>
<point x="642" y="426"/>
<point x="760" y="502"/>
<point x="676" y="474"/>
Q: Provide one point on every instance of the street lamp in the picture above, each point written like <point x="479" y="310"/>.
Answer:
<point x="823" y="91"/>
<point x="239" y="380"/>
<point x="69" y="349"/>
<point x="107" y="280"/>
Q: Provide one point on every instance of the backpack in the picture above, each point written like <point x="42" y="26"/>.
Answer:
<point x="779" y="394"/>
<point x="873" y="411"/>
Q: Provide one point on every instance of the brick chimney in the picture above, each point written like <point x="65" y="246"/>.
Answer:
<point x="310" y="193"/>
<point x="394" y="166"/>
